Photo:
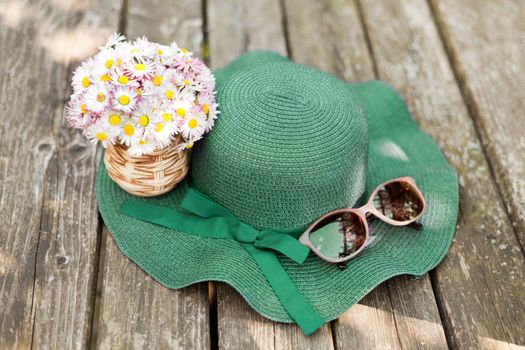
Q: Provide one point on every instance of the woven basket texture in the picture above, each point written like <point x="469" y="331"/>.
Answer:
<point x="147" y="175"/>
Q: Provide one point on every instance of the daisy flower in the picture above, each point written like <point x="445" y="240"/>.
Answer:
<point x="101" y="132"/>
<point x="106" y="59"/>
<point x="97" y="98"/>
<point x="142" y="49"/>
<point x="113" y="117"/>
<point x="129" y="131"/>
<point x="76" y="114"/>
<point x="182" y="107"/>
<point x="125" y="98"/>
<point x="162" y="131"/>
<point x="114" y="40"/>
<point x="193" y="125"/>
<point x="207" y="80"/>
<point x="165" y="54"/>
<point x="99" y="73"/>
<point x="207" y="104"/>
<point x="188" y="144"/>
<point x="118" y="77"/>
<point x="189" y="65"/>
<point x="143" y="114"/>
<point x="139" y="69"/>
<point x="159" y="81"/>
<point x="165" y="111"/>
<point x="82" y="77"/>
<point x="184" y="53"/>
<point x="123" y="53"/>
<point x="169" y="92"/>
<point x="182" y="80"/>
<point x="140" y="145"/>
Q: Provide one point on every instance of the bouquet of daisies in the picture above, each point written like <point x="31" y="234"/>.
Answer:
<point x="143" y="95"/>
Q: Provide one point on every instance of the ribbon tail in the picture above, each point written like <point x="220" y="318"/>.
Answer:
<point x="293" y="301"/>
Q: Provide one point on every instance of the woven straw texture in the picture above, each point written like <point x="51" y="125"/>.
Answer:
<point x="291" y="144"/>
<point x="147" y="175"/>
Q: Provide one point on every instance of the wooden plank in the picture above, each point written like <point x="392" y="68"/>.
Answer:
<point x="256" y="25"/>
<point x="135" y="311"/>
<point x="486" y="43"/>
<point x="49" y="220"/>
<point x="400" y="313"/>
<point x="480" y="285"/>
<point x="250" y="26"/>
<point x="240" y="327"/>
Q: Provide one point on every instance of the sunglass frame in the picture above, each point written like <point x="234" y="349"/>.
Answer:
<point x="364" y="212"/>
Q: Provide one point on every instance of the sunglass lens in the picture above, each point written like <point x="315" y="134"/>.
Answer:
<point x="338" y="236"/>
<point x="398" y="201"/>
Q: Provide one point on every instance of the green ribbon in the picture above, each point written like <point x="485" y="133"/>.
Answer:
<point x="214" y="221"/>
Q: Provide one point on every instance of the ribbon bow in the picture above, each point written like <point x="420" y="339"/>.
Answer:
<point x="214" y="221"/>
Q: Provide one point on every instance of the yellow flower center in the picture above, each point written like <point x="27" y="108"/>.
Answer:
<point x="83" y="108"/>
<point x="143" y="120"/>
<point x="205" y="108"/>
<point x="166" y="116"/>
<point x="119" y="61"/>
<point x="140" y="66"/>
<point x="186" y="82"/>
<point x="102" y="136"/>
<point x="157" y="80"/>
<point x="190" y="145"/>
<point x="159" y="52"/>
<point x="123" y="100"/>
<point x="142" y="142"/>
<point x="129" y="129"/>
<point x="183" y="50"/>
<point x="85" y="82"/>
<point x="123" y="79"/>
<point x="169" y="94"/>
<point x="109" y="63"/>
<point x="192" y="124"/>
<point x="105" y="77"/>
<point x="139" y="91"/>
<point x="114" y="119"/>
<point x="159" y="127"/>
<point x="101" y="97"/>
<point x="181" y="112"/>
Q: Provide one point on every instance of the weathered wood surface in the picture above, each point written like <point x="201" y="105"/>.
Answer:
<point x="329" y="35"/>
<point x="441" y="58"/>
<point x="135" y="311"/>
<point x="258" y="25"/>
<point x="486" y="43"/>
<point x="49" y="222"/>
<point x="480" y="285"/>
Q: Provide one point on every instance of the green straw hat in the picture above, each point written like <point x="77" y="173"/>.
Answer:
<point x="291" y="144"/>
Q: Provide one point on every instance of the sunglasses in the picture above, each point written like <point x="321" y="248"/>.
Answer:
<point x="341" y="234"/>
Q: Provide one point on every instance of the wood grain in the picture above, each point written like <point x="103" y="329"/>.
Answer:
<point x="480" y="284"/>
<point x="257" y="25"/>
<point x="400" y="313"/>
<point x="486" y="42"/>
<point x="135" y="311"/>
<point x="237" y="26"/>
<point x="49" y="234"/>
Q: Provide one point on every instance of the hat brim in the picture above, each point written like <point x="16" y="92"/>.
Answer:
<point x="396" y="148"/>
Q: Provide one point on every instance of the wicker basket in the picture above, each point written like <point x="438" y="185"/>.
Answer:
<point x="147" y="175"/>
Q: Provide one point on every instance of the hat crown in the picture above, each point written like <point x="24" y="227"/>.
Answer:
<point x="290" y="145"/>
